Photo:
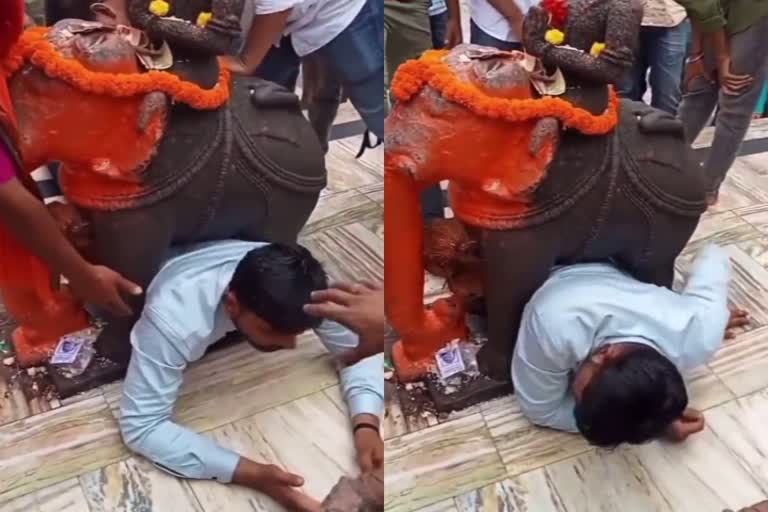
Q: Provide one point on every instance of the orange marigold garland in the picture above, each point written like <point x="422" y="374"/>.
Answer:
<point x="432" y="71"/>
<point x="35" y="48"/>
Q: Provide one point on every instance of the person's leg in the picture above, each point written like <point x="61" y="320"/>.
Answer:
<point x="634" y="85"/>
<point x="357" y="56"/>
<point x="408" y="33"/>
<point x="697" y="106"/>
<point x="482" y="38"/>
<point x="321" y="95"/>
<point x="666" y="56"/>
<point x="749" y="55"/>
<point x="281" y="65"/>
<point x="439" y="26"/>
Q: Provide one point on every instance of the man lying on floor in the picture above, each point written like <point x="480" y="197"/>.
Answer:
<point x="197" y="297"/>
<point x="600" y="353"/>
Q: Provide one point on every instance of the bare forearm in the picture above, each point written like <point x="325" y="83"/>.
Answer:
<point x="250" y="474"/>
<point x="454" y="10"/>
<point x="264" y="31"/>
<point x="28" y="219"/>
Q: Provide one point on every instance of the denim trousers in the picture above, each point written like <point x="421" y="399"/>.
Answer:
<point x="355" y="57"/>
<point x="661" y="50"/>
<point x="479" y="36"/>
<point x="749" y="55"/>
<point x="438" y="23"/>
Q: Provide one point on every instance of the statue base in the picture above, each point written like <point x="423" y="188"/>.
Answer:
<point x="407" y="369"/>
<point x="103" y="371"/>
<point x="470" y="392"/>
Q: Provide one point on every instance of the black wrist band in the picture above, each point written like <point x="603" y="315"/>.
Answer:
<point x="365" y="425"/>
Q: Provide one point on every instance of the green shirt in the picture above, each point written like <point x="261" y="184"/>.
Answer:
<point x="734" y="15"/>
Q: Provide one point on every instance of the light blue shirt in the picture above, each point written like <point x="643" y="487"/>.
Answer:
<point x="437" y="7"/>
<point x="583" y="307"/>
<point x="183" y="316"/>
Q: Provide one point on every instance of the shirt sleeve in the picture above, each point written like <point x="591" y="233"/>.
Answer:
<point x="707" y="13"/>
<point x="706" y="294"/>
<point x="362" y="384"/>
<point x="151" y="387"/>
<point x="272" y="6"/>
<point x="541" y="374"/>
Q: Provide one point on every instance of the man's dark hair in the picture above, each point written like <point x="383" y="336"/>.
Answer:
<point x="275" y="282"/>
<point x="632" y="400"/>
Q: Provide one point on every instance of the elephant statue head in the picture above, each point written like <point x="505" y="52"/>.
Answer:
<point x="109" y="137"/>
<point x="453" y="122"/>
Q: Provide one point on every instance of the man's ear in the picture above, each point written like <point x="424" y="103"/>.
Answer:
<point x="231" y="304"/>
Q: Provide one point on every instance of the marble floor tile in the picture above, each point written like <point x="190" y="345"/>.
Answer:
<point x="137" y="485"/>
<point x="705" y="389"/>
<point x="349" y="253"/>
<point x="749" y="285"/>
<point x="66" y="496"/>
<point x="239" y="381"/>
<point x="313" y="438"/>
<point x="443" y="506"/>
<point x="757" y="249"/>
<point x="346" y="172"/>
<point x="699" y="475"/>
<point x="530" y="492"/>
<point x="429" y="466"/>
<point x="339" y="209"/>
<point x="523" y="446"/>
<point x="745" y="187"/>
<point x="374" y="192"/>
<point x="742" y="365"/>
<point x="394" y="423"/>
<point x="55" y="446"/>
<point x="581" y="484"/>
<point x="721" y="228"/>
<point x="741" y="426"/>
<point x="242" y="437"/>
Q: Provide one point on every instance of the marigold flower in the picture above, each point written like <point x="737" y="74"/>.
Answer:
<point x="203" y="18"/>
<point x="597" y="49"/>
<point x="555" y="37"/>
<point x="159" y="7"/>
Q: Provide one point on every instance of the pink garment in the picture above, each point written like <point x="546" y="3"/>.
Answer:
<point x="7" y="165"/>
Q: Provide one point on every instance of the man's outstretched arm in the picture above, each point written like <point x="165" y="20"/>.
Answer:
<point x="151" y="387"/>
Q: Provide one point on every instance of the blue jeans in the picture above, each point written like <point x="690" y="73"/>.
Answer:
<point x="478" y="36"/>
<point x="663" y="50"/>
<point x="438" y="23"/>
<point x="356" y="56"/>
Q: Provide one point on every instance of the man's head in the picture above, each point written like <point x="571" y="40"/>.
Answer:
<point x="627" y="393"/>
<point x="267" y="294"/>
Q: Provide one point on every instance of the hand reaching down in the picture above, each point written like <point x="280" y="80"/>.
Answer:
<point x="739" y="318"/>
<point x="358" y="307"/>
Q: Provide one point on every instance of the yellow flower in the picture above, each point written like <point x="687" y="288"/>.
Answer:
<point x="159" y="7"/>
<point x="204" y="18"/>
<point x="554" y="37"/>
<point x="597" y="49"/>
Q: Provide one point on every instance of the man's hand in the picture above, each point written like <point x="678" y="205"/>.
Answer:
<point x="360" y="308"/>
<point x="369" y="445"/>
<point x="694" y="68"/>
<point x="453" y="36"/>
<point x="691" y="422"/>
<point x="105" y="288"/>
<point x="234" y="64"/>
<point x="731" y="83"/>
<point x="279" y="485"/>
<point x="739" y="318"/>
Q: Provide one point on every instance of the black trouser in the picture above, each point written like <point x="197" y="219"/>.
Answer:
<point x="57" y="10"/>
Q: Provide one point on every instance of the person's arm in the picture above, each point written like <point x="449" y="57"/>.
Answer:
<point x="513" y="14"/>
<point x="705" y="13"/>
<point x="362" y="386"/>
<point x="706" y="296"/>
<point x="151" y="387"/>
<point x="216" y="38"/>
<point x="265" y="31"/>
<point x="541" y="376"/>
<point x="453" y="34"/>
<point x="29" y="221"/>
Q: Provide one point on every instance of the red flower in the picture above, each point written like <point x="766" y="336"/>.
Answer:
<point x="558" y="9"/>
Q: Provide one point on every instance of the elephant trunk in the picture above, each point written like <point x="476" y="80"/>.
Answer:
<point x="423" y="331"/>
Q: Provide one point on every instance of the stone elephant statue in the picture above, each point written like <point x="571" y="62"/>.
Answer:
<point x="537" y="182"/>
<point x="145" y="173"/>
